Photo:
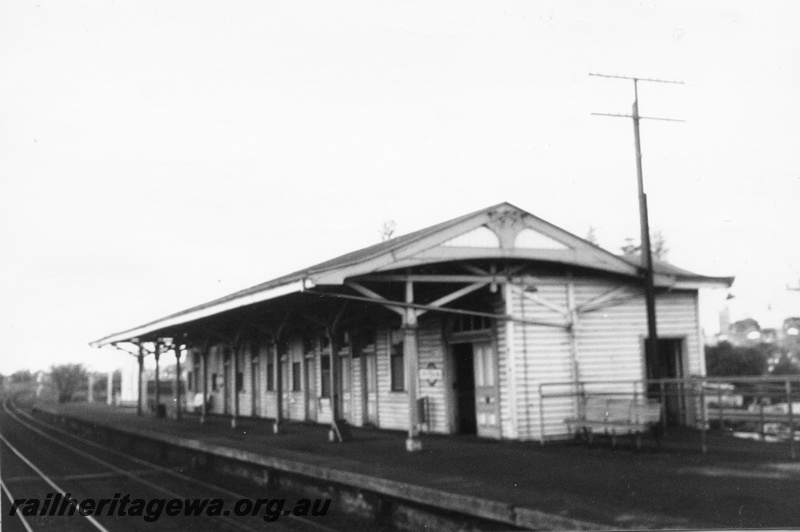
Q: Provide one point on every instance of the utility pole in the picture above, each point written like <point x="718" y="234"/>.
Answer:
<point x="651" y="350"/>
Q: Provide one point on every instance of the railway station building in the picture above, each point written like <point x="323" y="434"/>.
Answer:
<point x="459" y="328"/>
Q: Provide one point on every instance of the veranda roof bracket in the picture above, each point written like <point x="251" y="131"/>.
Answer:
<point x="539" y="300"/>
<point x="401" y="305"/>
<point x="451" y="297"/>
<point x="609" y="299"/>
<point x="375" y="297"/>
<point x="131" y="353"/>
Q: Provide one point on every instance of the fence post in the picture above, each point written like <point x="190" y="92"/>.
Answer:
<point x="719" y="407"/>
<point x="791" y="417"/>
<point x="703" y="442"/>
<point x="541" y="415"/>
<point x="761" y="414"/>
<point x="663" y="405"/>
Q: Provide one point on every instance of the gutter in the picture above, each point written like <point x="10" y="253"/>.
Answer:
<point x="243" y="301"/>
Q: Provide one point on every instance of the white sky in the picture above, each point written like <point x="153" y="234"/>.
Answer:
<point x="155" y="155"/>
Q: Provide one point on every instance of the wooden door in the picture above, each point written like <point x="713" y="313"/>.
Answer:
<point x="487" y="405"/>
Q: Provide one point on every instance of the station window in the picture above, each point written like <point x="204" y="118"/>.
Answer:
<point x="270" y="377"/>
<point x="325" y="375"/>
<point x="471" y="323"/>
<point x="398" y="369"/>
<point x="284" y="373"/>
<point x="296" y="382"/>
<point x="345" y="373"/>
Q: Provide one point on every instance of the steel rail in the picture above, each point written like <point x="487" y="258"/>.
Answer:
<point x="47" y="479"/>
<point x="12" y="499"/>
<point x="147" y="464"/>
<point x="108" y="465"/>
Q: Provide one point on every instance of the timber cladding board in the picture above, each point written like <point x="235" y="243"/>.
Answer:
<point x="392" y="406"/>
<point x="507" y="429"/>
<point x="431" y="351"/>
<point x="357" y="415"/>
<point x="609" y="347"/>
<point x="542" y="355"/>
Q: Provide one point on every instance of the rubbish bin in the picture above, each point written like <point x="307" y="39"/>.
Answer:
<point x="161" y="410"/>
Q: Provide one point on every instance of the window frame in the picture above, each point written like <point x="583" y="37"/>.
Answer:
<point x="325" y="375"/>
<point x="397" y="374"/>
<point x="270" y="376"/>
<point x="297" y="381"/>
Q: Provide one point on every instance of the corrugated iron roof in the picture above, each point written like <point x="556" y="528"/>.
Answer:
<point x="362" y="255"/>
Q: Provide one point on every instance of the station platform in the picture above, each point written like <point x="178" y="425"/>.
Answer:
<point x="561" y="485"/>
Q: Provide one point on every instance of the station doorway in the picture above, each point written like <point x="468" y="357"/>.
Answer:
<point x="475" y="397"/>
<point x="464" y="388"/>
<point x="667" y="363"/>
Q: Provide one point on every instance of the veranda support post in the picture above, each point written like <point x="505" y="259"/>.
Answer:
<point x="158" y="382"/>
<point x="790" y="408"/>
<point x="177" y="348"/>
<point x="235" y="379"/>
<point x="278" y="385"/>
<point x="110" y="386"/>
<point x="410" y="354"/>
<point x="204" y="362"/>
<point x="333" y="353"/>
<point x="140" y="359"/>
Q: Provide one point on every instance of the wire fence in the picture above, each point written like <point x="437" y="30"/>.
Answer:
<point x="761" y="408"/>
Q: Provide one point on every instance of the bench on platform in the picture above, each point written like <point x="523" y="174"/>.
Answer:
<point x="616" y="417"/>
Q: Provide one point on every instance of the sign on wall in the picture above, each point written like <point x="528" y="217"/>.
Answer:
<point x="431" y="374"/>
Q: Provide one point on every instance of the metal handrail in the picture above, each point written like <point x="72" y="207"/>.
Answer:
<point x="698" y="394"/>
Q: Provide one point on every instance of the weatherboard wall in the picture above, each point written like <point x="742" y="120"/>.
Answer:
<point x="610" y="345"/>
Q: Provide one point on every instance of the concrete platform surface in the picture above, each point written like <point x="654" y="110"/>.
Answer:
<point x="738" y="484"/>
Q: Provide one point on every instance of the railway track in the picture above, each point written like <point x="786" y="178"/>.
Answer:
<point x="41" y="459"/>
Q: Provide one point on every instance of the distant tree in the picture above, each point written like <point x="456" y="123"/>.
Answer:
<point x="658" y="246"/>
<point x="746" y="331"/>
<point x="727" y="360"/>
<point x="22" y="376"/>
<point x="630" y="247"/>
<point x="67" y="378"/>
<point x="791" y="326"/>
<point x="591" y="236"/>
<point x="387" y="229"/>
<point x="787" y="365"/>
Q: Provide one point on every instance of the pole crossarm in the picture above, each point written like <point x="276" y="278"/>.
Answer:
<point x="616" y="115"/>
<point x="653" y="80"/>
